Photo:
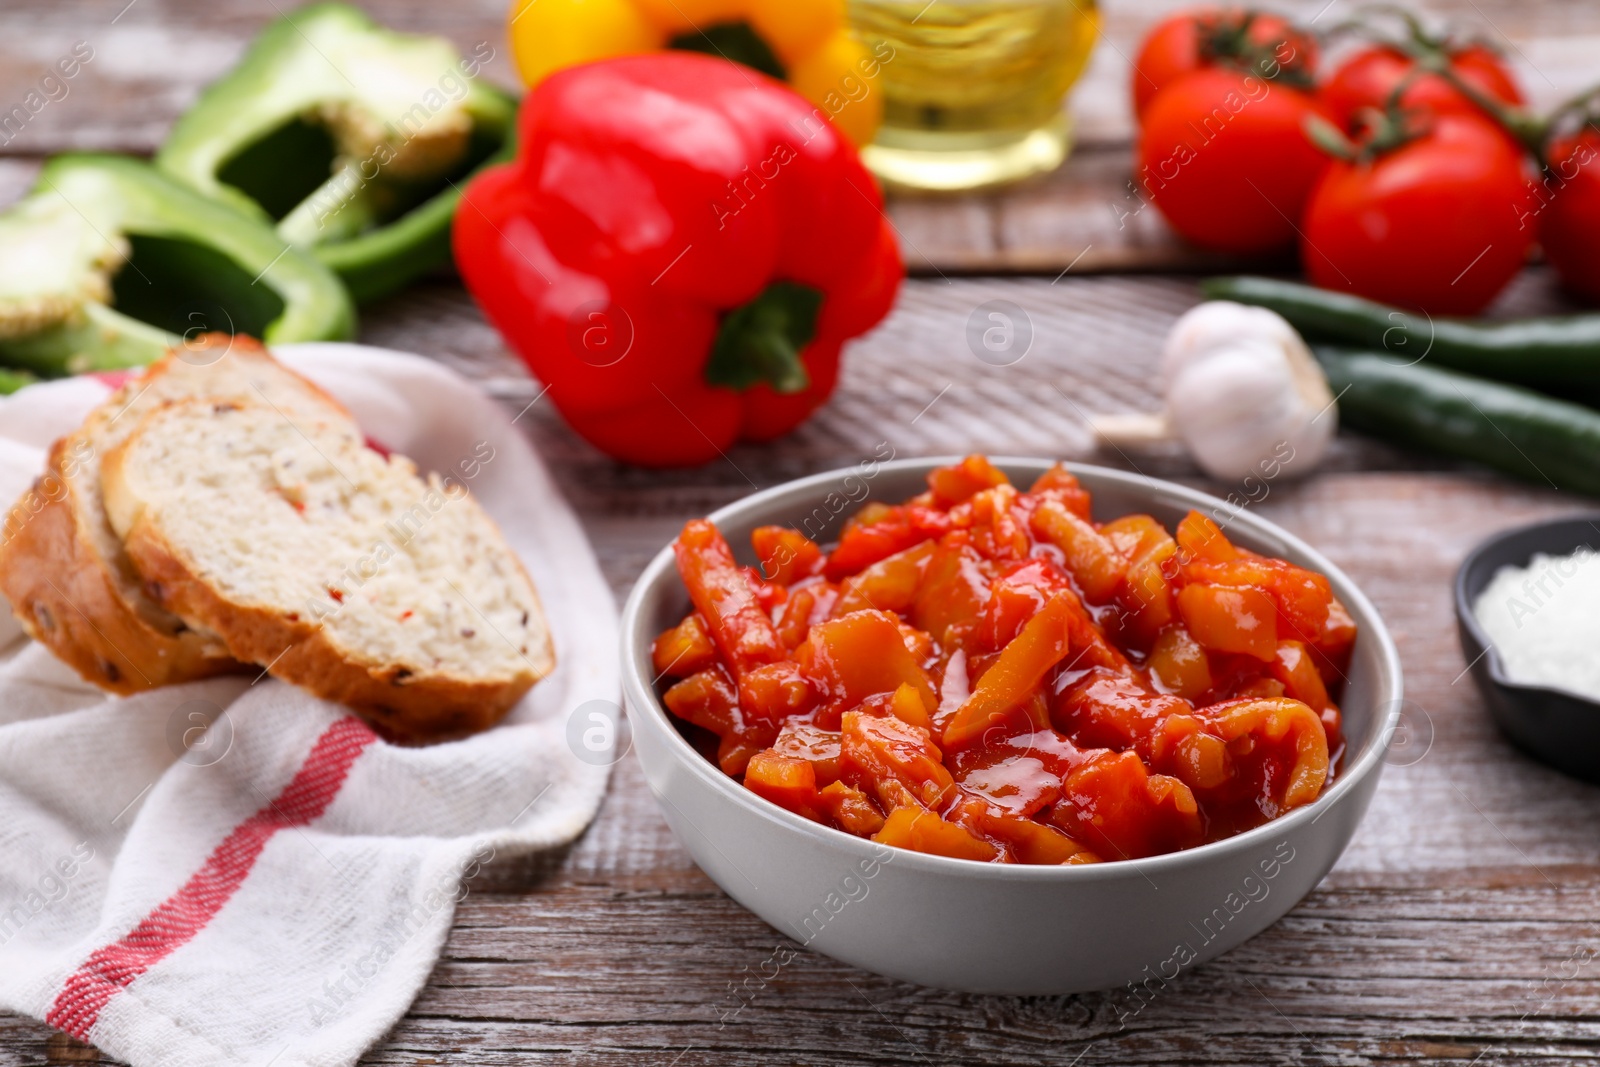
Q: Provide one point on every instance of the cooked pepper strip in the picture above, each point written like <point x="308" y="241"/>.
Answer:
<point x="1231" y="618"/>
<point x="683" y="650"/>
<point x="1178" y="663"/>
<point x="787" y="781"/>
<point x="1291" y="736"/>
<point x="786" y="555"/>
<point x="1115" y="806"/>
<point x="1052" y="737"/>
<point x="955" y="588"/>
<point x="1016" y="594"/>
<point x="961" y="482"/>
<point x="1045" y="640"/>
<point x="879" y="748"/>
<point x="722" y="595"/>
<point x="710" y="700"/>
<point x="1112" y="708"/>
<point x="1091" y="556"/>
<point x="860" y="655"/>
<point x="878" y="534"/>
<point x="924" y="831"/>
<point x="888" y="585"/>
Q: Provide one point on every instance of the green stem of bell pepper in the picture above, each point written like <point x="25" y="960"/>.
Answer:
<point x="761" y="341"/>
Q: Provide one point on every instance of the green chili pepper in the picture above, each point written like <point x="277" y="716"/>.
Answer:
<point x="350" y="138"/>
<point x="107" y="263"/>
<point x="1555" y="353"/>
<point x="1515" y="430"/>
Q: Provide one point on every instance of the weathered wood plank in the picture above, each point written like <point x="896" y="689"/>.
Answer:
<point x="1458" y="926"/>
<point x="151" y="59"/>
<point x="16" y="176"/>
<point x="1435" y="938"/>
<point x="912" y="382"/>
<point x="1487" y="968"/>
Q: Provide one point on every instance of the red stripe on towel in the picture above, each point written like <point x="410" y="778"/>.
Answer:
<point x="181" y="916"/>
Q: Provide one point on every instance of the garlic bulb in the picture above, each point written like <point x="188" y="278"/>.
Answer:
<point x="1243" y="393"/>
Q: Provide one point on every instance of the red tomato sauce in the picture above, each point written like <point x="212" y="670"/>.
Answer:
<point x="987" y="673"/>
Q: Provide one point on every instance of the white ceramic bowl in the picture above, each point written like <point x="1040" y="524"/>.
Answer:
<point x="1000" y="928"/>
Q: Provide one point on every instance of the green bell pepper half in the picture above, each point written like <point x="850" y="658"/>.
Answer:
<point x="106" y="263"/>
<point x="351" y="138"/>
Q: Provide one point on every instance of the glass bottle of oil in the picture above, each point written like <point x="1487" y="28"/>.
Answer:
<point x="973" y="89"/>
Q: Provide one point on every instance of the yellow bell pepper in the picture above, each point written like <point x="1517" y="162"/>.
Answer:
<point x="804" y="42"/>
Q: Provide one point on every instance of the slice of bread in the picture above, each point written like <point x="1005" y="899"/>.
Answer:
<point x="62" y="566"/>
<point x="335" y="567"/>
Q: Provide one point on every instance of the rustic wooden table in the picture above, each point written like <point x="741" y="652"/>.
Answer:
<point x="1460" y="927"/>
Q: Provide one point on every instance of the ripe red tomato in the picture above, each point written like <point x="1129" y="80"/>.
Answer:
<point x="1253" y="41"/>
<point x="1369" y="77"/>
<point x="1569" y="217"/>
<point x="1225" y="157"/>
<point x="1441" y="223"/>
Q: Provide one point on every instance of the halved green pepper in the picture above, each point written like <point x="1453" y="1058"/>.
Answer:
<point x="107" y="263"/>
<point x="349" y="137"/>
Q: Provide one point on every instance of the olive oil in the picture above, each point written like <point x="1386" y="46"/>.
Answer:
<point x="973" y="89"/>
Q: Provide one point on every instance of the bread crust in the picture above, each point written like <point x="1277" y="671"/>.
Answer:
<point x="403" y="703"/>
<point x="129" y="632"/>
<point x="63" y="593"/>
<point x="66" y="593"/>
<point x="417" y="706"/>
<point x="246" y="348"/>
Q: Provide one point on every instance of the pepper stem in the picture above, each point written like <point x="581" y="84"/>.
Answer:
<point x="1225" y="39"/>
<point x="1528" y="131"/>
<point x="737" y="41"/>
<point x="1582" y="105"/>
<point x="1431" y="54"/>
<point x="760" y="342"/>
<point x="1330" y="139"/>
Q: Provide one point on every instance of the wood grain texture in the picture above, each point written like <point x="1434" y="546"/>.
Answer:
<point x="1460" y="927"/>
<point x="151" y="58"/>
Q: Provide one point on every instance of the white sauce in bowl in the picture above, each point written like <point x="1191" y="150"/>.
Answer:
<point x="1544" y="621"/>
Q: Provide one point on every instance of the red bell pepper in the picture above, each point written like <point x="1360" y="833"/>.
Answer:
<point x="678" y="251"/>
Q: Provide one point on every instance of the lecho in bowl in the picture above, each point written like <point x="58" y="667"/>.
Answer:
<point x="1049" y="813"/>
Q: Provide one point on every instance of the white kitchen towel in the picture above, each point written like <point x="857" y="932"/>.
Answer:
<point x="235" y="872"/>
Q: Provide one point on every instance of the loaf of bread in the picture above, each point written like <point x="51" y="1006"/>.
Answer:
<point x="62" y="566"/>
<point x="331" y="565"/>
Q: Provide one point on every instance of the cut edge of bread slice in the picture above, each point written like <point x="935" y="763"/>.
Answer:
<point x="338" y="569"/>
<point x="62" y="566"/>
<point x="63" y="592"/>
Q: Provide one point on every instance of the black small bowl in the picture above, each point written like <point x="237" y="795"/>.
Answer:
<point x="1554" y="725"/>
